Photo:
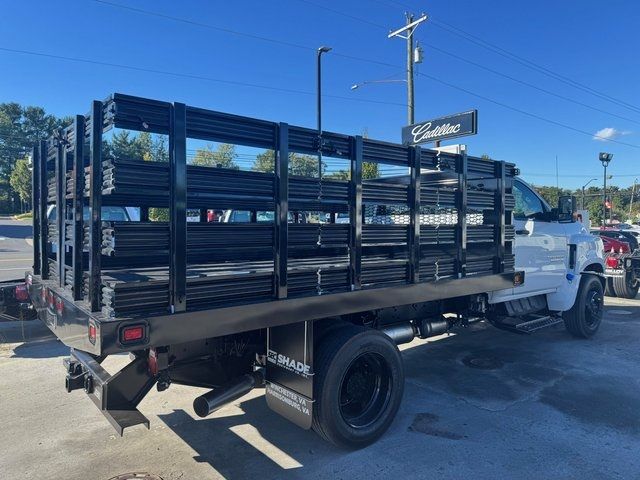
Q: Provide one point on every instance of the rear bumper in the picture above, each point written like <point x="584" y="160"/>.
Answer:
<point x="70" y="323"/>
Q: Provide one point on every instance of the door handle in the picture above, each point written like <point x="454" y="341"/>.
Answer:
<point x="523" y="231"/>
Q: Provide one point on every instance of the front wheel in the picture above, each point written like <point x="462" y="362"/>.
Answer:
<point x="585" y="317"/>
<point x="358" y="386"/>
<point x="626" y="286"/>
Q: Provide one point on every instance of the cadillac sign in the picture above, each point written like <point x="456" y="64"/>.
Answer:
<point x="457" y="125"/>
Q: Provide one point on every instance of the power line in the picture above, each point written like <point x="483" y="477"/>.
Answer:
<point x="191" y="76"/>
<point x="351" y="57"/>
<point x="531" y="65"/>
<point x="529" y="114"/>
<point x="527" y="84"/>
<point x="285" y="90"/>
<point x="519" y="59"/>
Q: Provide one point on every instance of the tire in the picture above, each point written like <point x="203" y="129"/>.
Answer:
<point x="608" y="287"/>
<point x="358" y="386"/>
<point x="585" y="317"/>
<point x="625" y="287"/>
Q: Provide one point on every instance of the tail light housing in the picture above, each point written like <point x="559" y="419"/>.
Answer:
<point x="612" y="262"/>
<point x="21" y="292"/>
<point x="131" y="334"/>
<point x="93" y="331"/>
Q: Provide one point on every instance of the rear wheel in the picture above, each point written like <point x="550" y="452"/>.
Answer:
<point x="584" y="318"/>
<point x="358" y="386"/>
<point x="626" y="286"/>
<point x="608" y="287"/>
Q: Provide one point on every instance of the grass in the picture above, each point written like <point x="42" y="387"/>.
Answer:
<point x="23" y="216"/>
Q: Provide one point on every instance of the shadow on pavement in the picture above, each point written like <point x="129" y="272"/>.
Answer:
<point x="16" y="231"/>
<point x="482" y="366"/>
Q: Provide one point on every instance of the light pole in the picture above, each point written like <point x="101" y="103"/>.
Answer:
<point x="583" y="187"/>
<point x="321" y="50"/>
<point x="605" y="158"/>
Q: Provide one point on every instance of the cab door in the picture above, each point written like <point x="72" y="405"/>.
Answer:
<point x="541" y="248"/>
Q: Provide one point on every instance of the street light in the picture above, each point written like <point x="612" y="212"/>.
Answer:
<point x="605" y="158"/>
<point x="585" y="186"/>
<point x="366" y="82"/>
<point x="321" y="50"/>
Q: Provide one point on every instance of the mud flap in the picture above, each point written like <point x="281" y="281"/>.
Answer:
<point x="289" y="376"/>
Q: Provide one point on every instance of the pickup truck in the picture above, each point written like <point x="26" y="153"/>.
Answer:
<point x="312" y="312"/>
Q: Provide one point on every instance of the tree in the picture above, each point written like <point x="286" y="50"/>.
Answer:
<point x="370" y="170"/>
<point x="20" y="129"/>
<point x="223" y="157"/>
<point x="299" y="164"/>
<point x="20" y="180"/>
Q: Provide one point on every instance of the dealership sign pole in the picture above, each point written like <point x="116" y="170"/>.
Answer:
<point x="452" y="126"/>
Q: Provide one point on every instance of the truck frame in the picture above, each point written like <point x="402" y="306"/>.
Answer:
<point x="311" y="311"/>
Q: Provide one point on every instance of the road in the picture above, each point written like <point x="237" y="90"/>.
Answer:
<point x="545" y="406"/>
<point x="16" y="248"/>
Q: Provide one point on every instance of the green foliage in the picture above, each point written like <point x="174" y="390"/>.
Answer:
<point x="223" y="157"/>
<point x="20" y="129"/>
<point x="370" y="170"/>
<point x="299" y="164"/>
<point x="20" y="180"/>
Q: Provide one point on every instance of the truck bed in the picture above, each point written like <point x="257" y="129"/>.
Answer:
<point x="442" y="217"/>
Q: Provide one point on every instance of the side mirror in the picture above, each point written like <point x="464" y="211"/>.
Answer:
<point x="567" y="208"/>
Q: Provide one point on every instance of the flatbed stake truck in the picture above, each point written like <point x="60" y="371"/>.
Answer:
<point x="311" y="293"/>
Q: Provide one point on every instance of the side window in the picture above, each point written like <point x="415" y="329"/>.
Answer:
<point x="527" y="202"/>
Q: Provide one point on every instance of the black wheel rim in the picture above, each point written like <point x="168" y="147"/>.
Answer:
<point x="365" y="390"/>
<point x="593" y="308"/>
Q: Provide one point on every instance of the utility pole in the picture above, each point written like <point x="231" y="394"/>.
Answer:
<point x="408" y="31"/>
<point x="633" y="191"/>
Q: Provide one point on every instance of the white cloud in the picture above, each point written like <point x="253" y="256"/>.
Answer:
<point x="608" y="133"/>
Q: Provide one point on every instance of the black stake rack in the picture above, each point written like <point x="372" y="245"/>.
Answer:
<point x="447" y="217"/>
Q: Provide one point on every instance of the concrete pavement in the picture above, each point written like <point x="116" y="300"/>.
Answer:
<point x="546" y="406"/>
<point x="16" y="248"/>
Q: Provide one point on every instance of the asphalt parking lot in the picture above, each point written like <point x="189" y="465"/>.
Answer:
<point x="479" y="404"/>
<point x="16" y="248"/>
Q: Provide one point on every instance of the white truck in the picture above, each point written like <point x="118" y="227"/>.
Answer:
<point x="314" y="312"/>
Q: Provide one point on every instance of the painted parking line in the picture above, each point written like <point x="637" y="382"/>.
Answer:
<point x="15" y="259"/>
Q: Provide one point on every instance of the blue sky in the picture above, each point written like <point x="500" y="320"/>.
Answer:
<point x="592" y="42"/>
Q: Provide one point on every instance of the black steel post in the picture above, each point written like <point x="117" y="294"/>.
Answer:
<point x="414" y="221"/>
<point x="35" y="207"/>
<point x="281" y="225"/>
<point x="178" y="207"/>
<point x="95" y="205"/>
<point x="61" y="189"/>
<point x="355" y="215"/>
<point x="44" y="221"/>
<point x="320" y="51"/>
<point x="78" y="206"/>
<point x="500" y="237"/>
<point x="461" y="228"/>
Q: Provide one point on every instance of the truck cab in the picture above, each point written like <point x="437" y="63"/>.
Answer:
<point x="554" y="251"/>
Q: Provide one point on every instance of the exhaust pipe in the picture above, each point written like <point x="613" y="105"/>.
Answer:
<point x="424" y="328"/>
<point x="215" y="399"/>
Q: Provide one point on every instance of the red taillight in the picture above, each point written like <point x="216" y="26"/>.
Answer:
<point x="153" y="362"/>
<point x="59" y="306"/>
<point x="612" y="262"/>
<point x="92" y="333"/>
<point x="131" y="334"/>
<point x="22" y="294"/>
